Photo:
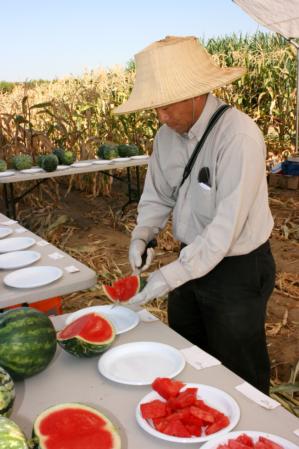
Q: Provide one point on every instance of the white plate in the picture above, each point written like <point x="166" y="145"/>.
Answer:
<point x="81" y="164"/>
<point x="122" y="318"/>
<point x="32" y="277"/>
<point x="141" y="362"/>
<point x="214" y="397"/>
<point x="62" y="167"/>
<point x="18" y="259"/>
<point x="141" y="156"/>
<point x="120" y="159"/>
<point x="3" y="174"/>
<point x="101" y="162"/>
<point x="4" y="232"/>
<point x="32" y="170"/>
<point x="251" y="433"/>
<point x="15" y="244"/>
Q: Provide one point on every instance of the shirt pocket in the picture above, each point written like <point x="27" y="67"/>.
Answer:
<point x="202" y="201"/>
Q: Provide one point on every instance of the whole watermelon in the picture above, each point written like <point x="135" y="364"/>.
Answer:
<point x="7" y="393"/>
<point x="11" y="436"/>
<point x="128" y="150"/>
<point x="108" y="151"/>
<point x="28" y="342"/>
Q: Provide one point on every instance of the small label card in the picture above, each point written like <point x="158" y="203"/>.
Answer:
<point x="71" y="269"/>
<point x="8" y="222"/>
<point x="56" y="256"/>
<point x="146" y="316"/>
<point x="42" y="243"/>
<point x="20" y="230"/>
<point x="257" y="396"/>
<point x="198" y="358"/>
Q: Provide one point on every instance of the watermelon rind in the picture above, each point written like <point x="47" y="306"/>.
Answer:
<point x="121" y="290"/>
<point x="28" y="342"/>
<point x="7" y="393"/>
<point x="39" y="440"/>
<point x="81" y="347"/>
<point x="11" y="436"/>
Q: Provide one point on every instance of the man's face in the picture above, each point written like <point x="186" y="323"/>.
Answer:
<point x="178" y="116"/>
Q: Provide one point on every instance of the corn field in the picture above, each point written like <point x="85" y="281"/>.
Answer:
<point x="76" y="113"/>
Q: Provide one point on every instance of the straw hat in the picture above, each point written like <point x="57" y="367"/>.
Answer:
<point x="172" y="70"/>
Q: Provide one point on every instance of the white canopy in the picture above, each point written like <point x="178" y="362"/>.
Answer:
<point x="280" y="16"/>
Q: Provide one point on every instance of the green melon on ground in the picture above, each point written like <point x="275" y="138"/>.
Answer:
<point x="28" y="341"/>
<point x="87" y="336"/>
<point x="11" y="436"/>
<point x="72" y="425"/>
<point x="7" y="393"/>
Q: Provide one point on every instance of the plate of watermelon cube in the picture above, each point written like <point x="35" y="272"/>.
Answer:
<point x="248" y="439"/>
<point x="186" y="412"/>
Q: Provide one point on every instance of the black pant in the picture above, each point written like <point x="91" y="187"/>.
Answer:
<point x="224" y="313"/>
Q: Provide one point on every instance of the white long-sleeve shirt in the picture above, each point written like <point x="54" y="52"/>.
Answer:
<point x="232" y="218"/>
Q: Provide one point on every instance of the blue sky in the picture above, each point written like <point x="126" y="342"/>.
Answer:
<point x="55" y="38"/>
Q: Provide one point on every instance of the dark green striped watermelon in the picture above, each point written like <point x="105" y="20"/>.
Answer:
<point x="11" y="436"/>
<point x="28" y="342"/>
<point x="7" y="393"/>
<point x="71" y="426"/>
<point x="87" y="336"/>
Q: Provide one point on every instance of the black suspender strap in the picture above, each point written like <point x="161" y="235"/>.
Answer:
<point x="212" y="122"/>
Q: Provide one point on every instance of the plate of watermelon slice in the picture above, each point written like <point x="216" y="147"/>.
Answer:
<point x="186" y="412"/>
<point x="249" y="439"/>
<point x="123" y="318"/>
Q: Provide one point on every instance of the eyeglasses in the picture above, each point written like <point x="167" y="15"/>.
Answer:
<point x="204" y="176"/>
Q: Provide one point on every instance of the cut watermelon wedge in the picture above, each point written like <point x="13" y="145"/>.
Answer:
<point x="124" y="289"/>
<point x="74" y="426"/>
<point x="87" y="336"/>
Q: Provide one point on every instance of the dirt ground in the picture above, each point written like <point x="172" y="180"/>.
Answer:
<point x="95" y="231"/>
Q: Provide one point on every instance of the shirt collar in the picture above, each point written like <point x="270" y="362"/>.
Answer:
<point x="200" y="125"/>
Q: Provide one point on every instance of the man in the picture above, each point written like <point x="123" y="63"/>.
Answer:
<point x="219" y="285"/>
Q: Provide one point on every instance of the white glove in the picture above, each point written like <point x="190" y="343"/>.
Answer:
<point x="136" y="250"/>
<point x="156" y="286"/>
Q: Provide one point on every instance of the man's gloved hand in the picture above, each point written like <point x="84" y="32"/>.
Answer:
<point x="156" y="286"/>
<point x="136" y="251"/>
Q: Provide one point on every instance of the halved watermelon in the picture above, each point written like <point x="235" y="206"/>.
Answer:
<point x="124" y="289"/>
<point x="87" y="336"/>
<point x="74" y="426"/>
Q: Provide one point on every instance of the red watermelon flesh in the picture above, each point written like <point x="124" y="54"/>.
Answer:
<point x="91" y="327"/>
<point x="123" y="289"/>
<point x="75" y="426"/>
<point x="87" y="336"/>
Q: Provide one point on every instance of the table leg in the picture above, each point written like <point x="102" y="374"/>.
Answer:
<point x="129" y="185"/>
<point x="138" y="183"/>
<point x="9" y="200"/>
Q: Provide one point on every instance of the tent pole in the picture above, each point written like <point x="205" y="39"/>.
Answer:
<point x="297" y="96"/>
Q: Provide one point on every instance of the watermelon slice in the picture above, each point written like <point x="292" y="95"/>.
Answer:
<point x="124" y="289"/>
<point x="87" y="336"/>
<point x="74" y="426"/>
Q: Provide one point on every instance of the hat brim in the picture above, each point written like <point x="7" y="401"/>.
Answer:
<point x="139" y="101"/>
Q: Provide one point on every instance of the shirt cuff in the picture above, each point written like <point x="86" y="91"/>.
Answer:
<point x="144" y="233"/>
<point x="175" y="274"/>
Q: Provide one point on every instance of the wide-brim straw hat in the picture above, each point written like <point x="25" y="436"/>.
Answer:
<point x="172" y="70"/>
